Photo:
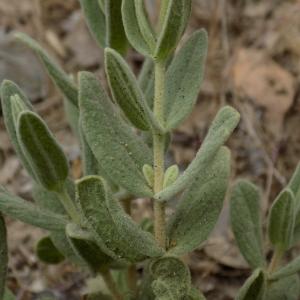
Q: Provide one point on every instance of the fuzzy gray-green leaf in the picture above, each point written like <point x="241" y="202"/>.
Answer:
<point x="47" y="252"/>
<point x="287" y="288"/>
<point x="184" y="78"/>
<point x="8" y="90"/>
<point x="254" y="288"/>
<point x="26" y="212"/>
<point x="132" y="28"/>
<point x="282" y="220"/>
<point x="119" y="151"/>
<point x="289" y="269"/>
<point x="174" y="24"/>
<point x="220" y="130"/>
<point x="45" y="156"/>
<point x="294" y="185"/>
<point x="172" y="279"/>
<point x="59" y="77"/>
<point x="113" y="229"/>
<point x="246" y="222"/>
<point x="3" y="256"/>
<point x="200" y="206"/>
<point x="126" y="91"/>
<point x="115" y="34"/>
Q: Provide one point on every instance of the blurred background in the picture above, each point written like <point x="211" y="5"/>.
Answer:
<point x="253" y="64"/>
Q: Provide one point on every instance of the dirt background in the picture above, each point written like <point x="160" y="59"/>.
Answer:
<point x="253" y="64"/>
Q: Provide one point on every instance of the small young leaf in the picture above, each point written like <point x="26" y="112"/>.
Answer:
<point x="3" y="256"/>
<point x="132" y="28"/>
<point x="47" y="159"/>
<point x="47" y="252"/>
<point x="282" y="220"/>
<point x="254" y="288"/>
<point x="149" y="174"/>
<point x="184" y="78"/>
<point x="26" y="212"/>
<point x="220" y="130"/>
<point x="17" y="106"/>
<point x="95" y="19"/>
<point x="287" y="288"/>
<point x="126" y="91"/>
<point x="84" y="246"/>
<point x="170" y="176"/>
<point x="200" y="206"/>
<point x="115" y="34"/>
<point x="8" y="90"/>
<point x="246" y="222"/>
<point x="290" y="269"/>
<point x="119" y="151"/>
<point x="59" y="77"/>
<point x="175" y="22"/>
<point x="111" y="226"/>
<point x="172" y="279"/>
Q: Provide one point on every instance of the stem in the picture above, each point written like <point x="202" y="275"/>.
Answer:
<point x="69" y="206"/>
<point x="158" y="154"/>
<point x="132" y="279"/>
<point x="275" y="261"/>
<point x="111" y="285"/>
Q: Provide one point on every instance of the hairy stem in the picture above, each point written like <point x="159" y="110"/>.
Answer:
<point x="275" y="261"/>
<point x="158" y="154"/>
<point x="111" y="285"/>
<point x="69" y="206"/>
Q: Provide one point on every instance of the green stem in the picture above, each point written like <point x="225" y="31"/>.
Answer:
<point x="69" y="206"/>
<point x="158" y="154"/>
<point x="111" y="285"/>
<point x="275" y="261"/>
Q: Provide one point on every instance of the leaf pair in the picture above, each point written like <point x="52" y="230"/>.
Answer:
<point x="113" y="230"/>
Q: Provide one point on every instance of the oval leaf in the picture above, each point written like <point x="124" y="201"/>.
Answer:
<point x="200" y="206"/>
<point x="184" y="78"/>
<point x="173" y="26"/>
<point x="59" y="77"/>
<point x="246" y="222"/>
<point x="3" y="256"/>
<point x="46" y="157"/>
<point x="282" y="220"/>
<point x="220" y="130"/>
<point x="95" y="19"/>
<point x="120" y="152"/>
<point x="47" y="252"/>
<point x="111" y="226"/>
<point x="254" y="287"/>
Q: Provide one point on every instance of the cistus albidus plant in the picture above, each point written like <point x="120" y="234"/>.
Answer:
<point x="273" y="280"/>
<point x="124" y="139"/>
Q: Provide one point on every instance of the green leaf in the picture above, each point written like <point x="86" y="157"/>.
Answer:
<point x="296" y="233"/>
<point x="294" y="185"/>
<point x="194" y="295"/>
<point x="144" y="23"/>
<point x="98" y="296"/>
<point x="254" y="288"/>
<point x="95" y="19"/>
<point x="220" y="130"/>
<point x="290" y="269"/>
<point x="115" y="34"/>
<point x="8" y="90"/>
<point x="47" y="252"/>
<point x="26" y="212"/>
<point x="119" y="151"/>
<point x="126" y="91"/>
<point x="8" y="295"/>
<point x="175" y="22"/>
<point x="282" y="220"/>
<point x="200" y="206"/>
<point x="149" y="174"/>
<point x="146" y="81"/>
<point x="59" y="77"/>
<point x="184" y="78"/>
<point x="132" y="28"/>
<point x="170" y="176"/>
<point x="72" y="114"/>
<point x="287" y="288"/>
<point x="113" y="229"/>
<point x="3" y="256"/>
<point x="246" y="222"/>
<point x="46" y="157"/>
<point x="172" y="279"/>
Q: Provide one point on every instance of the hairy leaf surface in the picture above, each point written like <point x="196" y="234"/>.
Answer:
<point x="47" y="252"/>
